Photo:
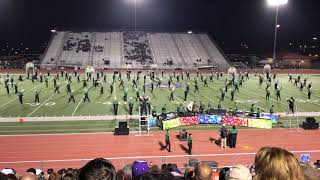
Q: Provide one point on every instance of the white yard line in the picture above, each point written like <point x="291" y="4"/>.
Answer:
<point x="79" y="102"/>
<point x="17" y="96"/>
<point x="43" y="103"/>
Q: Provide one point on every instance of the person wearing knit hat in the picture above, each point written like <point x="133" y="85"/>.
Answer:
<point x="239" y="172"/>
<point x="139" y="167"/>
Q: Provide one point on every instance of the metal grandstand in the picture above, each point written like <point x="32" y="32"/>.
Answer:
<point x="133" y="49"/>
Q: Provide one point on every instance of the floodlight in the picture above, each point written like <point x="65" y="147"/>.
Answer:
<point x="189" y="32"/>
<point x="277" y="2"/>
<point x="315" y="38"/>
<point x="53" y="30"/>
<point x="278" y="25"/>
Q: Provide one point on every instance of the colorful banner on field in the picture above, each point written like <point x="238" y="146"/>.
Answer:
<point x="152" y="121"/>
<point x="260" y="123"/>
<point x="234" y="121"/>
<point x="273" y="117"/>
<point x="168" y="124"/>
<point x="186" y="121"/>
<point x="209" y="119"/>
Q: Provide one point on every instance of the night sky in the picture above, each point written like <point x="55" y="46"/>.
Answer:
<point x="231" y="22"/>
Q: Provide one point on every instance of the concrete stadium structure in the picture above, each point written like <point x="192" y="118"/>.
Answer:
<point x="132" y="49"/>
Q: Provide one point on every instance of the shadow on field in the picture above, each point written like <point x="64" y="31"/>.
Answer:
<point x="215" y="141"/>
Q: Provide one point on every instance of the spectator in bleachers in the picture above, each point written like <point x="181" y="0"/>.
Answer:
<point x="272" y="163"/>
<point x="98" y="169"/>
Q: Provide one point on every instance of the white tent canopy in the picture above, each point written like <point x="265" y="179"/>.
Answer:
<point x="90" y="70"/>
<point x="232" y="70"/>
<point x="30" y="65"/>
<point x="267" y="69"/>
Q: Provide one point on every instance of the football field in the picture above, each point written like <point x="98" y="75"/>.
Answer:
<point x="53" y="104"/>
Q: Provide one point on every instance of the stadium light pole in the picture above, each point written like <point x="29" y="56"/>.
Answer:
<point x="135" y="15"/>
<point x="276" y="3"/>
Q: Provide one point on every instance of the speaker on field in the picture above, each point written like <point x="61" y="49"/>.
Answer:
<point x="122" y="129"/>
<point x="310" y="123"/>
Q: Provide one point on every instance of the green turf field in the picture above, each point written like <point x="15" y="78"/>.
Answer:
<point x="57" y="105"/>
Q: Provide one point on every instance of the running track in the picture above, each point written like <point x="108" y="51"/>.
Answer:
<point x="69" y="148"/>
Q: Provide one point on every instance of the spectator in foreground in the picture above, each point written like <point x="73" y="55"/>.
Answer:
<point x="309" y="172"/>
<point x="29" y="176"/>
<point x="3" y="176"/>
<point x="54" y="176"/>
<point x="127" y="172"/>
<point x="202" y="172"/>
<point x="12" y="177"/>
<point x="32" y="170"/>
<point x="98" y="169"/>
<point x="273" y="163"/>
<point x="163" y="175"/>
<point x="239" y="172"/>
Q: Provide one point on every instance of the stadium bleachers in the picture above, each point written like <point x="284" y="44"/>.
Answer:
<point x="165" y="50"/>
<point x="52" y="51"/>
<point x="132" y="49"/>
<point x="76" y="49"/>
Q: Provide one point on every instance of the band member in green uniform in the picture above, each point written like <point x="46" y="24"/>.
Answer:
<point x="268" y="93"/>
<point x="137" y="94"/>
<point x="46" y="81"/>
<point x="7" y="88"/>
<point x="223" y="93"/>
<point x="125" y="95"/>
<point x="232" y="94"/>
<point x="16" y="87"/>
<point x="71" y="98"/>
<point x="271" y="109"/>
<point x="196" y="88"/>
<point x="56" y="89"/>
<point x="309" y="92"/>
<point x="21" y="97"/>
<point x="278" y="93"/>
<point x="101" y="89"/>
<point x="115" y="106"/>
<point x="86" y="96"/>
<point x="36" y="97"/>
<point x="167" y="140"/>
<point x="171" y="94"/>
<point x="111" y="88"/>
<point x="131" y="104"/>
<point x="189" y="139"/>
<point x="185" y="94"/>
